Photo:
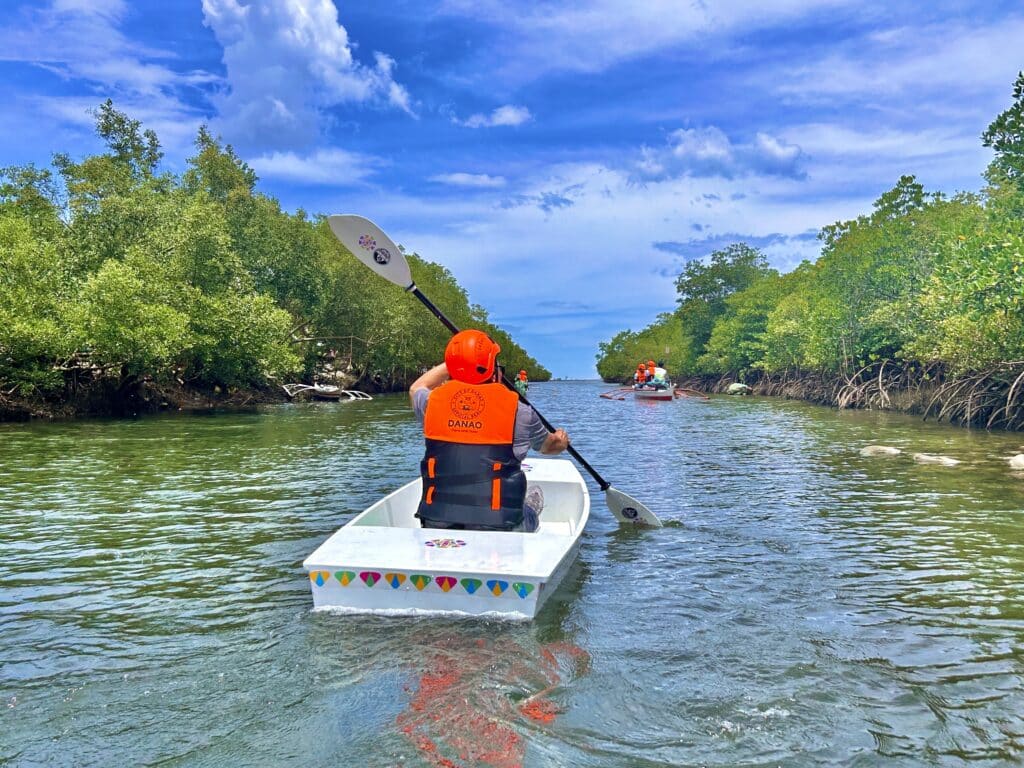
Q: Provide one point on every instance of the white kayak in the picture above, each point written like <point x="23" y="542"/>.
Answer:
<point x="383" y="562"/>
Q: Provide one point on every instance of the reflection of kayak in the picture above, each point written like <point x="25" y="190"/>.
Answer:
<point x="384" y="562"/>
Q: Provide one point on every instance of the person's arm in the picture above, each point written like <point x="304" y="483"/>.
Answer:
<point x="432" y="379"/>
<point x="555" y="442"/>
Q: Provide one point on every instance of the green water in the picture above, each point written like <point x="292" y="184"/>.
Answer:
<point x="805" y="605"/>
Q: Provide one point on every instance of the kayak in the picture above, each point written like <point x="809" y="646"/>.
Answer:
<point x="654" y="394"/>
<point x="383" y="562"/>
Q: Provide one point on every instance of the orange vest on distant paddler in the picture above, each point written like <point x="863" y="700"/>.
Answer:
<point x="470" y="474"/>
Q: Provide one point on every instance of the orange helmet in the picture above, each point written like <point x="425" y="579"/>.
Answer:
<point x="470" y="357"/>
<point x="641" y="367"/>
<point x="650" y="363"/>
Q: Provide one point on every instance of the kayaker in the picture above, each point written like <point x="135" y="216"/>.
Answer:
<point x="640" y="376"/>
<point x="652" y="376"/>
<point x="522" y="384"/>
<point x="477" y="434"/>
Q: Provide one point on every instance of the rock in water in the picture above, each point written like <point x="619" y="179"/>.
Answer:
<point x="737" y="389"/>
<point x="880" y="450"/>
<point x="1017" y="462"/>
<point x="932" y="458"/>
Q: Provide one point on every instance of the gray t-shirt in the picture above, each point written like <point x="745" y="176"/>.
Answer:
<point x="530" y="433"/>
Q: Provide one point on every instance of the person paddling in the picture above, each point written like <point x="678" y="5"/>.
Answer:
<point x="522" y="383"/>
<point x="477" y="433"/>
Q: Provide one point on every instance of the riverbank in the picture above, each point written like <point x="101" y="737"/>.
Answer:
<point x="105" y="398"/>
<point x="992" y="398"/>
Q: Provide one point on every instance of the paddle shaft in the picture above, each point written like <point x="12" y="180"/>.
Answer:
<point x="604" y="484"/>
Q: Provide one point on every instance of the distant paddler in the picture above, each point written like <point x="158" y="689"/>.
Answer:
<point x="522" y="383"/>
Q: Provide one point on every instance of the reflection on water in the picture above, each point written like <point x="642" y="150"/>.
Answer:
<point x="804" y="605"/>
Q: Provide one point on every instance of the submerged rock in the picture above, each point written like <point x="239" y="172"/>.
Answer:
<point x="932" y="458"/>
<point x="1017" y="462"/>
<point x="880" y="450"/>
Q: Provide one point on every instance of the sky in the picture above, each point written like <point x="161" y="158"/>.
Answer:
<point x="564" y="159"/>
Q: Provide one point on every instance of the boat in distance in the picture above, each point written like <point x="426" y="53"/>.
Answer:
<point x="641" y="393"/>
<point x="383" y="562"/>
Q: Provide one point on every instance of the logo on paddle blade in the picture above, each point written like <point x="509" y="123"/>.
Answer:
<point x="630" y="513"/>
<point x="382" y="255"/>
<point x="367" y="242"/>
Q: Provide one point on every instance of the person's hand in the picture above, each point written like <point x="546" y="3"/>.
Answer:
<point x="557" y="441"/>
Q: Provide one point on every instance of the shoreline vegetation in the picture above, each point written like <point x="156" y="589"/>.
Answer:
<point x="917" y="306"/>
<point x="126" y="289"/>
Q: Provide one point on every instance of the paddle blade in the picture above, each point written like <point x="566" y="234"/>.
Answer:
<point x="628" y="510"/>
<point x="371" y="246"/>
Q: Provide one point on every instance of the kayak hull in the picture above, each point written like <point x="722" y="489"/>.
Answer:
<point x="382" y="562"/>
<point x="656" y="395"/>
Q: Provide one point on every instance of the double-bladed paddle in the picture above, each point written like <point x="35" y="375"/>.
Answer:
<point x="372" y="247"/>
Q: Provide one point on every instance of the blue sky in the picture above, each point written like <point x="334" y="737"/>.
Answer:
<point x="563" y="159"/>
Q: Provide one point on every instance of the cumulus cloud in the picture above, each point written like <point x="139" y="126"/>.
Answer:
<point x="469" y="180"/>
<point x="335" y="167"/>
<point x="287" y="61"/>
<point x="508" y="114"/>
<point x="709" y="152"/>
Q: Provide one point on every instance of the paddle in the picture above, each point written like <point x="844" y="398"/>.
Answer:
<point x="612" y="394"/>
<point x="372" y="247"/>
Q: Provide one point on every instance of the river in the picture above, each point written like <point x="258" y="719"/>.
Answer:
<point x="804" y="605"/>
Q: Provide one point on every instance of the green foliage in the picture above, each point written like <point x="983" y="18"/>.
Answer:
<point x="125" y="324"/>
<point x="135" y="148"/>
<point x="703" y="291"/>
<point x="33" y="299"/>
<point x="1006" y="136"/>
<point x="110" y="267"/>
<point x="738" y="340"/>
<point x="973" y="306"/>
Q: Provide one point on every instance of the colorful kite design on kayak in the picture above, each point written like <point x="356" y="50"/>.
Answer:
<point x="396" y="580"/>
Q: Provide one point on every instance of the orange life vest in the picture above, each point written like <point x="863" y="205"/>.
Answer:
<point x="470" y="473"/>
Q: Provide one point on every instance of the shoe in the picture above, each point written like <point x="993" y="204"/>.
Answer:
<point x="535" y="498"/>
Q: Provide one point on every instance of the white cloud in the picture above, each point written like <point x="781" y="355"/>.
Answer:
<point x="952" y="61"/>
<point x="508" y="114"/>
<point x="81" y="42"/>
<point x="824" y="139"/>
<point x="335" y="167"/>
<point x="592" y="35"/>
<point x="287" y="62"/>
<point x="470" y="180"/>
<point x="709" y="152"/>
